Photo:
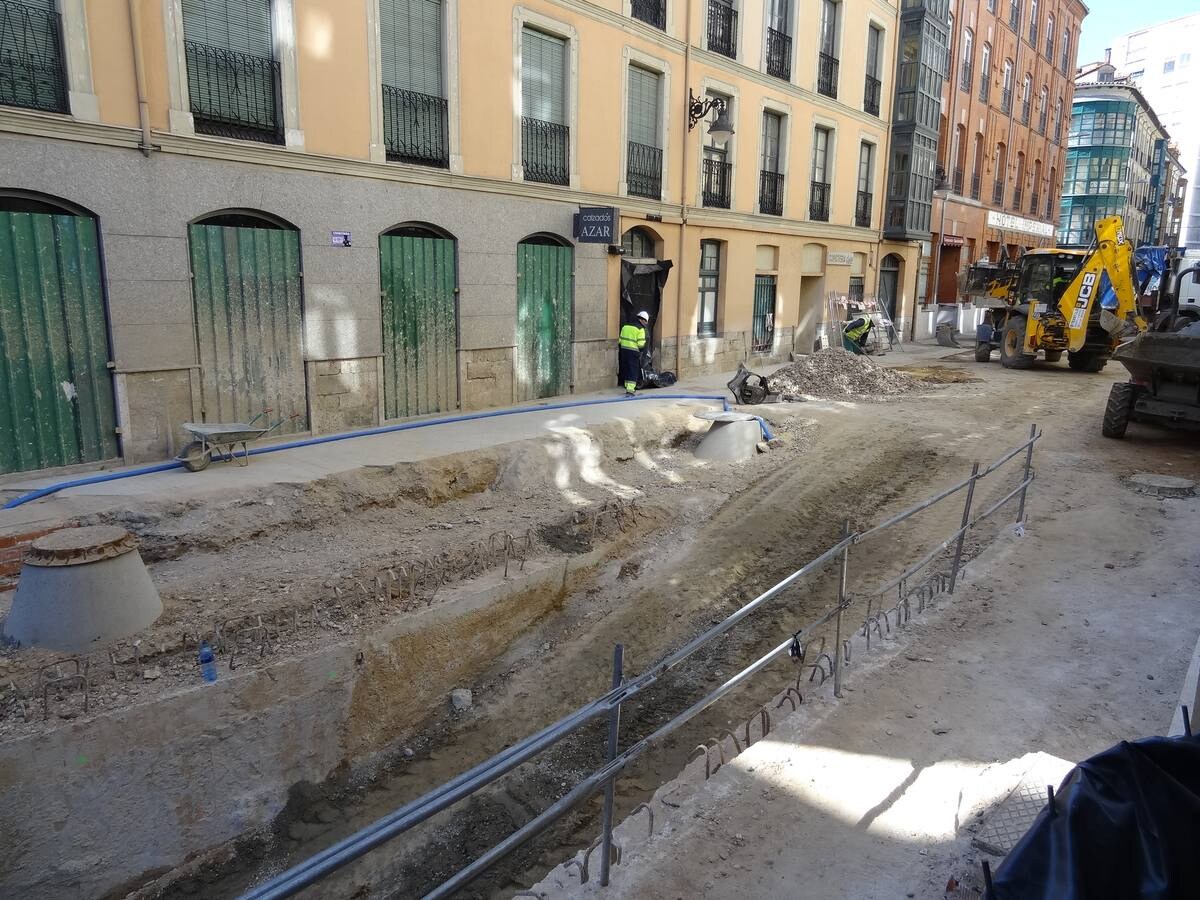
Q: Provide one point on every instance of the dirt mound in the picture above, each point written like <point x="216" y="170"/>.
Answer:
<point x="836" y="374"/>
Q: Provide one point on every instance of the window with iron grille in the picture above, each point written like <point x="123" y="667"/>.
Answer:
<point x="1033" y="24"/>
<point x="716" y="170"/>
<point x="857" y="289"/>
<point x="545" y="135"/>
<point x="644" y="164"/>
<point x="762" y="333"/>
<point x="32" y="65"/>
<point x="968" y="59"/>
<point x="1063" y="61"/>
<point x="985" y="72"/>
<point x="232" y="73"/>
<point x="770" y="182"/>
<point x="872" y="86"/>
<point x="1006" y="87"/>
<point x="1026" y="98"/>
<point x="1050" y="37"/>
<point x="1014" y="14"/>
<point x="866" y="177"/>
<point x="818" y="205"/>
<point x="652" y="12"/>
<point x="415" y="116"/>
<point x="1043" y="109"/>
<point x="710" y="284"/>
<point x="827" y="61"/>
<point x="722" y="28"/>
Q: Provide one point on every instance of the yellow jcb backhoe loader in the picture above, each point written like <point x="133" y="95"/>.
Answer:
<point x="1052" y="305"/>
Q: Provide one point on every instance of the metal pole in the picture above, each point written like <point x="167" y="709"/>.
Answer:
<point x="614" y="722"/>
<point x="966" y="519"/>
<point x="1028" y="467"/>
<point x="837" y="628"/>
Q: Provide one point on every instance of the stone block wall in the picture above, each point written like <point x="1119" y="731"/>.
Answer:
<point x="486" y="377"/>
<point x="595" y="366"/>
<point x="343" y="394"/>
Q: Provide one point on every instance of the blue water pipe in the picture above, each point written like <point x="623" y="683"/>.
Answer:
<point x="383" y="429"/>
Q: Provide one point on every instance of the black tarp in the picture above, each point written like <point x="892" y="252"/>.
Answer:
<point x="1125" y="826"/>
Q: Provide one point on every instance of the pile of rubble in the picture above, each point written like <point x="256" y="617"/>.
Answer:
<point x="836" y="374"/>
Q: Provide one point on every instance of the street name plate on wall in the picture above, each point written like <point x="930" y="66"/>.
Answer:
<point x="838" y="258"/>
<point x="339" y="238"/>
<point x="1007" y="222"/>
<point x="596" y="225"/>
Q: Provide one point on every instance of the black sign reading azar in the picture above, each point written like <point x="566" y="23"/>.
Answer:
<point x="596" y="225"/>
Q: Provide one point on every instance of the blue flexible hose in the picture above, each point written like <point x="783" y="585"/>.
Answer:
<point x="383" y="429"/>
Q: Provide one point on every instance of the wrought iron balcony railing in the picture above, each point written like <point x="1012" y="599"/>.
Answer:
<point x="985" y="85"/>
<point x="827" y="75"/>
<point x="871" y="95"/>
<point x="722" y="28"/>
<point x="1034" y="203"/>
<point x="643" y="171"/>
<point x="1006" y="100"/>
<point x="1018" y="195"/>
<point x="718" y="183"/>
<point x="779" y="54"/>
<point x="770" y="193"/>
<point x="998" y="192"/>
<point x="415" y="127"/>
<point x="32" y="74"/>
<point x="975" y="179"/>
<point x="956" y="184"/>
<point x="652" y="12"/>
<point x="966" y="75"/>
<point x="862" y="209"/>
<point x="818" y="203"/>
<point x="545" y="151"/>
<point x="233" y="94"/>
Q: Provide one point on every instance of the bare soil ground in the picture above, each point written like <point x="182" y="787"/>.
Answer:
<point x="689" y="544"/>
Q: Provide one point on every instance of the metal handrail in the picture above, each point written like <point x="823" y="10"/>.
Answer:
<point x="827" y="75"/>
<point x="545" y="151"/>
<point x="233" y="94"/>
<point x="717" y="184"/>
<point x="329" y="860"/>
<point x="652" y="12"/>
<point x="770" y="192"/>
<point x="779" y="54"/>
<point x="871" y="90"/>
<point x="415" y="127"/>
<point x="722" y="28"/>
<point x="643" y="171"/>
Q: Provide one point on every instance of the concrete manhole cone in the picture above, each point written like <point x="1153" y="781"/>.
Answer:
<point x="732" y="436"/>
<point x="82" y="587"/>
<point x="1163" y="485"/>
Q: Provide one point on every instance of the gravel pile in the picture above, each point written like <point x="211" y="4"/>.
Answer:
<point x="836" y="374"/>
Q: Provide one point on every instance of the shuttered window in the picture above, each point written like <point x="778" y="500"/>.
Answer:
<point x="240" y="25"/>
<point x="410" y="38"/>
<point x="643" y="106"/>
<point x="543" y="77"/>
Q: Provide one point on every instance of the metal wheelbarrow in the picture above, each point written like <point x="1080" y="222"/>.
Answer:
<point x="223" y="439"/>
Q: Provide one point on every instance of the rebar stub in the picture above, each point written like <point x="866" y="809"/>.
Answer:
<point x="76" y="546"/>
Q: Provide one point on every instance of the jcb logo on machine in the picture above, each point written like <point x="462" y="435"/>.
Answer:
<point x="1120" y="236"/>
<point x="1085" y="294"/>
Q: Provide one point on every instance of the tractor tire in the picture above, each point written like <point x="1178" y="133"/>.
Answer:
<point x="1086" y="362"/>
<point x="1012" y="341"/>
<point x="1053" y="355"/>
<point x="983" y="352"/>
<point x="1119" y="410"/>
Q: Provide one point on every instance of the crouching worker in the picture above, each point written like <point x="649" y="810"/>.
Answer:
<point x="631" y="343"/>
<point x="855" y="334"/>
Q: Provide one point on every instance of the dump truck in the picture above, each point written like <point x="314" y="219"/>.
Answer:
<point x="1047" y="302"/>
<point x="1164" y="368"/>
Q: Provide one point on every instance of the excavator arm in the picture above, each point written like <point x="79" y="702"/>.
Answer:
<point x="1114" y="255"/>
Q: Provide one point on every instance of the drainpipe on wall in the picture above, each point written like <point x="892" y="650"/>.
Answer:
<point x="139" y="75"/>
<point x="683" y="213"/>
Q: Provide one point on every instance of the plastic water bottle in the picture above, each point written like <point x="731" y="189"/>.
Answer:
<point x="208" y="665"/>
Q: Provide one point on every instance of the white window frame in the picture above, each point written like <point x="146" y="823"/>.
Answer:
<point x="830" y="125"/>
<point x="793" y="24"/>
<point x="523" y="17"/>
<point x="378" y="152"/>
<point x="726" y="89"/>
<point x="839" y="30"/>
<point x="631" y="56"/>
<point x="874" y="142"/>
<point x="81" y="93"/>
<point x="283" y="33"/>
<point x="886" y="64"/>
<point x="783" y="110"/>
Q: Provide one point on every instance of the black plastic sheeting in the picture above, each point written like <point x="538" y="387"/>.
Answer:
<point x="1125" y="825"/>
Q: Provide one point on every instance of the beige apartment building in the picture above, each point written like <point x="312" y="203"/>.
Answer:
<point x="355" y="211"/>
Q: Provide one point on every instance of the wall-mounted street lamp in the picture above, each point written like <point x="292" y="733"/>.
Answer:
<point x="720" y="129"/>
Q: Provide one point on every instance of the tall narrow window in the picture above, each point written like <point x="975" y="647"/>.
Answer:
<point x="1033" y="24"/>
<point x="770" y="182"/>
<point x="1043" y="109"/>
<point x="722" y="28"/>
<point x="977" y="166"/>
<point x="710" y="285"/>
<point x="871" y="89"/>
<point x="818" y="204"/>
<point x="415" y="124"/>
<point x="960" y="158"/>
<point x="827" y="61"/>
<point x="1050" y="37"/>
<point x="762" y="326"/>
<point x="1058" y="112"/>
<point x="32" y="62"/>
<point x="866" y="177"/>
<point x="1000" y="170"/>
<point x="779" y="39"/>
<point x="545" y="134"/>
<point x="232" y="74"/>
<point x="1014" y="14"/>
<point x="1065" y="50"/>
<point x="1026" y="98"/>
<point x="968" y="59"/>
<point x="1035" y="195"/>
<point x="717" y="174"/>
<point x="644" y="165"/>
<point x="1019" y="185"/>
<point x="1006" y="87"/>
<point x="985" y="72"/>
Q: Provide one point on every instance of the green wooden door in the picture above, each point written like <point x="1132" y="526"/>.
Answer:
<point x="545" y="276"/>
<point x="249" y="323"/>
<point x="420" y="328"/>
<point x="56" y="397"/>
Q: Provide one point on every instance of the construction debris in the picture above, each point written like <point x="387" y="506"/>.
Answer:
<point x="835" y="374"/>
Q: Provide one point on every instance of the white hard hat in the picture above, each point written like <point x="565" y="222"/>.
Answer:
<point x="644" y="315"/>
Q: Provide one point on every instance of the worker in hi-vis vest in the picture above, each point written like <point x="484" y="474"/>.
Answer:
<point x="631" y="343"/>
<point x="855" y="333"/>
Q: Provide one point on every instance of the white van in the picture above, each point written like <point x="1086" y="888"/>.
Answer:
<point x="1189" y="291"/>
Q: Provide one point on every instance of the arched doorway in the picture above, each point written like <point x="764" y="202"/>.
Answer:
<point x="56" y="391"/>
<point x="418" y="280"/>
<point x="247" y="297"/>
<point x="889" y="283"/>
<point x="545" y="313"/>
<point x="639" y="243"/>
